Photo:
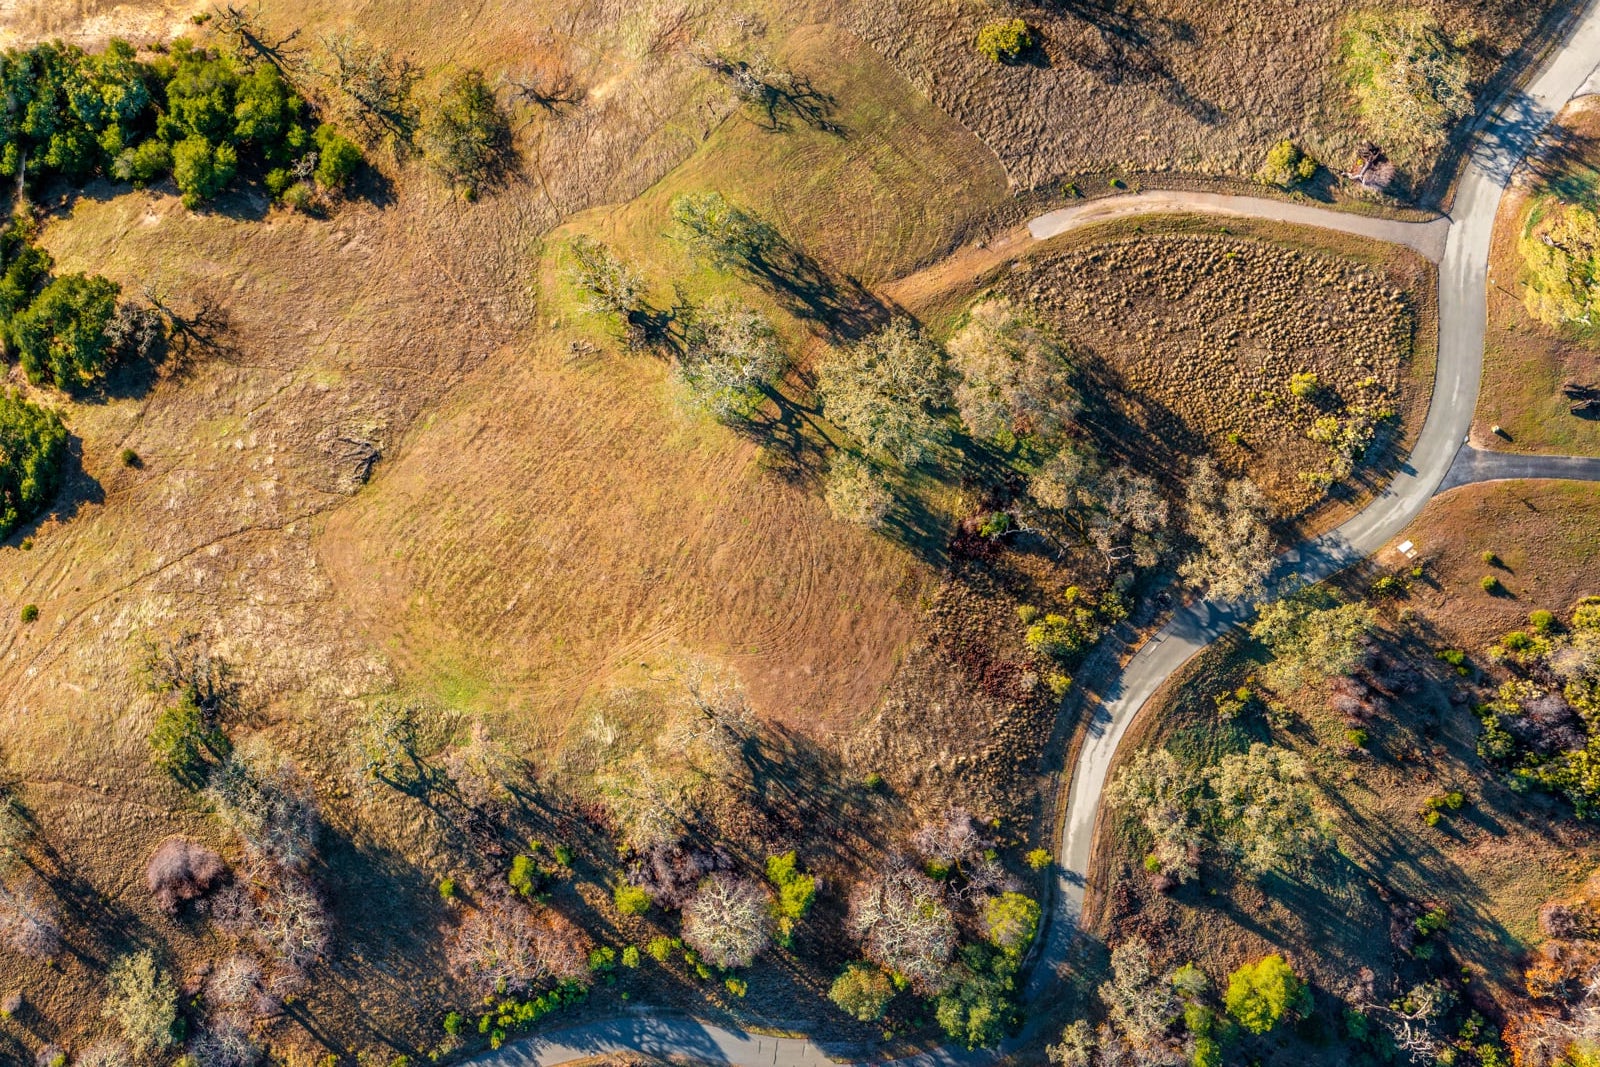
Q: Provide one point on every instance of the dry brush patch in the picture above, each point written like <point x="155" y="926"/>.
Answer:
<point x="1221" y="82"/>
<point x="1192" y="344"/>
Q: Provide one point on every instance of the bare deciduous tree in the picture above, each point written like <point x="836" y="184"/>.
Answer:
<point x="373" y="85"/>
<point x="1141" y="1005"/>
<point x="1014" y="376"/>
<point x="1156" y="787"/>
<point x="855" y="492"/>
<point x="262" y="798"/>
<point x="728" y="920"/>
<point x="181" y="870"/>
<point x="506" y="946"/>
<point x="904" y="926"/>
<point x="27" y="922"/>
<point x="1234" y="545"/>
<point x="885" y="389"/>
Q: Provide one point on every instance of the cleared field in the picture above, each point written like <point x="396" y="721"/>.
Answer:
<point x="1526" y="364"/>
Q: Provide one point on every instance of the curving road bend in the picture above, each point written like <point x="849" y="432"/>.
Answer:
<point x="1439" y="460"/>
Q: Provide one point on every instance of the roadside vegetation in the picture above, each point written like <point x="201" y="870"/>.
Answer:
<point x="1365" y="762"/>
<point x="1542" y="353"/>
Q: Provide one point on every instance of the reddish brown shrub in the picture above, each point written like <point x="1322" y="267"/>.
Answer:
<point x="181" y="870"/>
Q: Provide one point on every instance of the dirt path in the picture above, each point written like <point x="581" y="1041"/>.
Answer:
<point x="1460" y="245"/>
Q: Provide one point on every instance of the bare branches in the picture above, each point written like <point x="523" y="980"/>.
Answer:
<point x="373" y="86"/>
<point x="905" y="927"/>
<point x="507" y="947"/>
<point x="249" y="39"/>
<point x="728" y="920"/>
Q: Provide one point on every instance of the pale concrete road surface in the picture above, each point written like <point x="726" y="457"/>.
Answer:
<point x="1460" y="245"/>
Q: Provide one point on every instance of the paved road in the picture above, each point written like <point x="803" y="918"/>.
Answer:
<point x="1477" y="465"/>
<point x="1460" y="245"/>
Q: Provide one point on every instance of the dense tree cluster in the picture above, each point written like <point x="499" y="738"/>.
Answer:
<point x="1312" y="637"/>
<point x="1257" y="806"/>
<point x="1540" y="724"/>
<point x="1228" y="521"/>
<point x="191" y="113"/>
<point x="33" y="443"/>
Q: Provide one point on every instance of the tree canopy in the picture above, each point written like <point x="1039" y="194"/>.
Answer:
<point x="886" y="389"/>
<point x="1261" y="994"/>
<point x="1409" y="78"/>
<point x="1312" y="637"/>
<point x="1560" y="249"/>
<point x="33" y="443"/>
<point x="61" y="337"/>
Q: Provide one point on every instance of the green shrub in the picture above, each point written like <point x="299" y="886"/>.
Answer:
<point x="1305" y="385"/>
<point x="338" y="159"/>
<point x="1261" y="994"/>
<point x="630" y="957"/>
<point x="61" y="337"/>
<point x="796" y="891"/>
<point x="862" y="991"/>
<point x="737" y="986"/>
<point x="1063" y="636"/>
<point x="1586" y="613"/>
<point x="873" y="781"/>
<point x="201" y="169"/>
<point x="1542" y="621"/>
<point x="524" y="876"/>
<point x="1286" y="166"/>
<point x="630" y="899"/>
<point x="1012" y="920"/>
<point x="1207" y="1053"/>
<point x="661" y="948"/>
<point x="1039" y="859"/>
<point x="1431" y="922"/>
<point x="447" y="889"/>
<point x="1357" y="737"/>
<point x="1390" y="587"/>
<point x="1005" y="41"/>
<point x="602" y="960"/>
<point x="184" y="743"/>
<point x="1490" y="584"/>
<point x="452" y="1023"/>
<point x="300" y="197"/>
<point x="30" y="613"/>
<point x="129" y="457"/>
<point x="143" y="163"/>
<point x="1491" y="560"/>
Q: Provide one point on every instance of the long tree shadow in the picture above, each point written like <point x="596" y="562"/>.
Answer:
<point x="1131" y="44"/>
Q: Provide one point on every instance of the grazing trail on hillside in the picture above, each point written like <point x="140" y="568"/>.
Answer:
<point x="1440" y="460"/>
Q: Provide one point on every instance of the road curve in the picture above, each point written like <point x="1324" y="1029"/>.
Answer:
<point x="1460" y="245"/>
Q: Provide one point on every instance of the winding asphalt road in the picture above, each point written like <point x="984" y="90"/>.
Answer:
<point x="1440" y="459"/>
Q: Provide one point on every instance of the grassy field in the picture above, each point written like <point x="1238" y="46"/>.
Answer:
<point x="1491" y="865"/>
<point x="1526" y="363"/>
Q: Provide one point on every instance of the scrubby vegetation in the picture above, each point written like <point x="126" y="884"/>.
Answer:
<point x="1560" y="250"/>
